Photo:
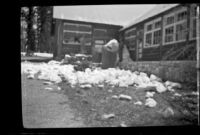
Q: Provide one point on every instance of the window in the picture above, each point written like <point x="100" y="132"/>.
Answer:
<point x="157" y="37"/>
<point x="181" y="16"/>
<point x="175" y="26"/>
<point x="101" y="42"/>
<point x="193" y="15"/>
<point x="149" y="27"/>
<point x="100" y="32"/>
<point x="170" y="20"/>
<point x="181" y="31"/>
<point x="169" y="34"/>
<point x="73" y="33"/>
<point x="130" y="38"/>
<point x="148" y="39"/>
<point x="157" y="24"/>
<point x="152" y="33"/>
<point x="130" y="33"/>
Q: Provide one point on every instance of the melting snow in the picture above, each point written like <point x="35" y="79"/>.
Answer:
<point x="149" y="94"/>
<point x="43" y="54"/>
<point x="48" y="88"/>
<point x="122" y="96"/>
<point x="173" y="84"/>
<point x="150" y="102"/>
<point x="138" y="103"/>
<point x="55" y="71"/>
<point x="177" y="94"/>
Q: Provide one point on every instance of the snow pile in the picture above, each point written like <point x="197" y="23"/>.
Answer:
<point x="23" y="53"/>
<point x="149" y="94"/>
<point x="172" y="85"/>
<point x="51" y="71"/>
<point x="54" y="71"/>
<point x="43" y="54"/>
<point x="150" y="102"/>
<point x="138" y="103"/>
<point x="155" y="78"/>
<point x="82" y="55"/>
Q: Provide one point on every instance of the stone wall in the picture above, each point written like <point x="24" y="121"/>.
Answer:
<point x="179" y="71"/>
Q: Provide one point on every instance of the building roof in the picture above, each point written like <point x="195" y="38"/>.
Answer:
<point x="106" y="14"/>
<point x="155" y="11"/>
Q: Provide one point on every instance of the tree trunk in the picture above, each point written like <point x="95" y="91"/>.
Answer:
<point x="30" y="33"/>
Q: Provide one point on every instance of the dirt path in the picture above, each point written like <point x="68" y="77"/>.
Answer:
<point x="43" y="108"/>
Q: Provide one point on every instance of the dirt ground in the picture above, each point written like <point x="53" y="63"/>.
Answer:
<point x="78" y="107"/>
<point x="44" y="108"/>
<point x="91" y="104"/>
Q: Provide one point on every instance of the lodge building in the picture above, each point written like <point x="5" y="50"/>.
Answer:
<point x="69" y="32"/>
<point x="167" y="32"/>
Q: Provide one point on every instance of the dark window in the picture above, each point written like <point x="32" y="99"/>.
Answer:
<point x="170" y="20"/>
<point x="157" y="37"/>
<point x="180" y="31"/>
<point x="169" y="32"/>
<point x="148" y="39"/>
<point x="158" y="24"/>
<point x="182" y="16"/>
<point x="149" y="27"/>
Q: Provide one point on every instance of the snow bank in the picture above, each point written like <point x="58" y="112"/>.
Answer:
<point x="54" y="71"/>
<point x="43" y="54"/>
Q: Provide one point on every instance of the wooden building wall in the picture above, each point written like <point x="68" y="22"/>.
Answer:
<point x="161" y="51"/>
<point x="68" y="34"/>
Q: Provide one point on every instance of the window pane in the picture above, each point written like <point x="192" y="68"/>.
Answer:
<point x="182" y="16"/>
<point x="149" y="27"/>
<point x="169" y="32"/>
<point x="101" y="42"/>
<point x="157" y="37"/>
<point x="133" y="32"/>
<point x="130" y="33"/>
<point x="148" y="39"/>
<point x="74" y="38"/>
<point x="181" y="31"/>
<point x="70" y="27"/>
<point x="170" y="20"/>
<point x="158" y="24"/>
<point x="99" y="32"/>
<point x="84" y="28"/>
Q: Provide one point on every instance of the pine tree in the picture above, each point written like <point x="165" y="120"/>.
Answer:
<point x="30" y="44"/>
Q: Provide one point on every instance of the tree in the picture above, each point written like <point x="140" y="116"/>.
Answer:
<point x="24" y="13"/>
<point x="30" y="44"/>
<point x="36" y="28"/>
<point x="45" y="19"/>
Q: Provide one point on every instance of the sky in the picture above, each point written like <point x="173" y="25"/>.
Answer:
<point x="110" y="14"/>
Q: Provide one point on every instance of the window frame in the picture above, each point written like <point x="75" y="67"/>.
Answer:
<point x="153" y="22"/>
<point x="165" y="26"/>
<point x="131" y="36"/>
<point x="98" y="29"/>
<point x="77" y="32"/>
